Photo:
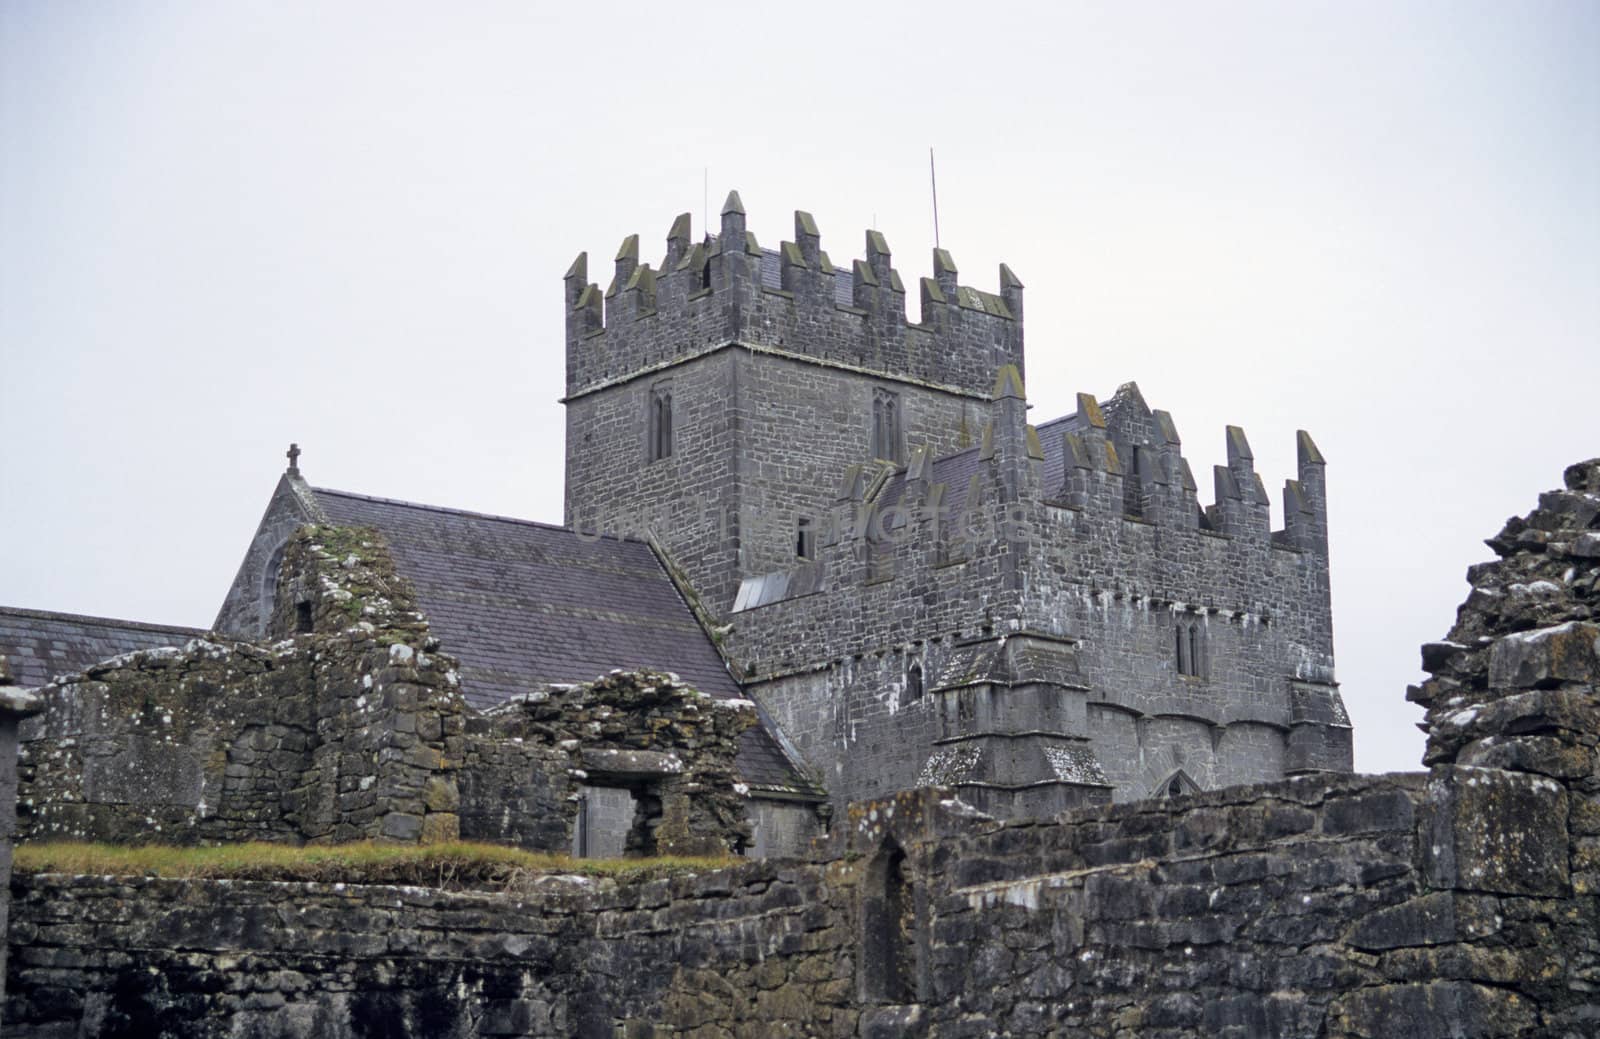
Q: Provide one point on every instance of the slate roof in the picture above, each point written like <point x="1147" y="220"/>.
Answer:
<point x="525" y="604"/>
<point x="956" y="470"/>
<point x="844" y="286"/>
<point x="40" y="645"/>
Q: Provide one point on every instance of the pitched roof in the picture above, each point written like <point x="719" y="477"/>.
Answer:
<point x="956" y="470"/>
<point x="40" y="645"/>
<point x="522" y="605"/>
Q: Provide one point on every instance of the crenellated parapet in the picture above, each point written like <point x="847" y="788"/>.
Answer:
<point x="728" y="289"/>
<point x="1116" y="466"/>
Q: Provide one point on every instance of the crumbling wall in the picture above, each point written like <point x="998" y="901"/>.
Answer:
<point x="336" y="732"/>
<point x="351" y="726"/>
<point x="1457" y="903"/>
<point x="671" y="747"/>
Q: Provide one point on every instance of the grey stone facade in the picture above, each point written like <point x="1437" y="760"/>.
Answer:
<point x="1170" y="646"/>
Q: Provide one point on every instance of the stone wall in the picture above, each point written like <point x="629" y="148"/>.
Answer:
<point x="338" y="732"/>
<point x="1060" y="556"/>
<point x="771" y="376"/>
<point x="15" y="705"/>
<point x="1462" y="902"/>
<point x="1314" y="908"/>
<point x="1458" y="903"/>
<point x="352" y="726"/>
<point x="669" y="747"/>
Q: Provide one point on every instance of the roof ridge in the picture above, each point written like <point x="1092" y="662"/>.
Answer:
<point x="1068" y="417"/>
<point x="22" y="611"/>
<point x="470" y="513"/>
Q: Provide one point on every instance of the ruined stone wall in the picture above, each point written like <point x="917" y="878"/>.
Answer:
<point x="352" y="726"/>
<point x="337" y="732"/>
<point x="1320" y="907"/>
<point x="1458" y="903"/>
<point x="672" y="748"/>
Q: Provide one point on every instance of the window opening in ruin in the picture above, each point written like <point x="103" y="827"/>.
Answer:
<point x="1194" y="649"/>
<point x="302" y="618"/>
<point x="805" y="544"/>
<point x="660" y="419"/>
<point x="889" y="929"/>
<point x="1183" y="650"/>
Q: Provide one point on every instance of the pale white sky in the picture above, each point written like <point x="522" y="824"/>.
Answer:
<point x="225" y="226"/>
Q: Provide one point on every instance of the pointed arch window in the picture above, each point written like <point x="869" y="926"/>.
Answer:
<point x="659" y="420"/>
<point x="1189" y="643"/>
<point x="913" y="686"/>
<point x="886" y="425"/>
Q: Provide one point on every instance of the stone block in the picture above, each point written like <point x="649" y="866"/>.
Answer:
<point x="440" y="795"/>
<point x="1429" y="919"/>
<point x="401" y="826"/>
<point x="1567" y="652"/>
<point x="1432" y="1010"/>
<point x="439" y="827"/>
<point x="1501" y="832"/>
<point x="1373" y="810"/>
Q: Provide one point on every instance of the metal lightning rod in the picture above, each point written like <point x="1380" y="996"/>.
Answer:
<point x="934" y="180"/>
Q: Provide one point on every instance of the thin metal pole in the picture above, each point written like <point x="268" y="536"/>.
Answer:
<point x="934" y="180"/>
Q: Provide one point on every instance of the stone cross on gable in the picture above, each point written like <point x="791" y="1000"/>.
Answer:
<point x="294" y="459"/>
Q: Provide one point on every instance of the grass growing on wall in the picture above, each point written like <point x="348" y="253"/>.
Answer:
<point x="454" y="865"/>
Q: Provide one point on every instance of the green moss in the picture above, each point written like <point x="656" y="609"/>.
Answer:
<point x="453" y="865"/>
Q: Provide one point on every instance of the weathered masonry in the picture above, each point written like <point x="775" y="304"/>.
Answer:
<point x="785" y="493"/>
<point x="1460" y="902"/>
<point x="917" y="584"/>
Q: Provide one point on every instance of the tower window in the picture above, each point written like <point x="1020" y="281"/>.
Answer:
<point x="1190" y="644"/>
<point x="886" y="425"/>
<point x="805" y="542"/>
<point x="302" y="618"/>
<point x="660" y="422"/>
<point x="913" y="682"/>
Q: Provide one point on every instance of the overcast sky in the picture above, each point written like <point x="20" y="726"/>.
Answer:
<point x="225" y="226"/>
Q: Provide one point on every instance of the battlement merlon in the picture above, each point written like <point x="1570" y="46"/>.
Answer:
<point x="1312" y="488"/>
<point x="727" y="290"/>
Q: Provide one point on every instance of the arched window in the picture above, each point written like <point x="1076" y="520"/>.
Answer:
<point x="913" y="689"/>
<point x="886" y="425"/>
<point x="1178" y="784"/>
<point x="1190" y="643"/>
<point x="660" y="423"/>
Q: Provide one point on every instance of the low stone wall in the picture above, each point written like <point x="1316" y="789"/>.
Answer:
<point x="1318" y="907"/>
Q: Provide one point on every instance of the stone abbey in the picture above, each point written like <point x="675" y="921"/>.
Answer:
<point x="919" y="586"/>
<point x="795" y="501"/>
<point x="1017" y="738"/>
